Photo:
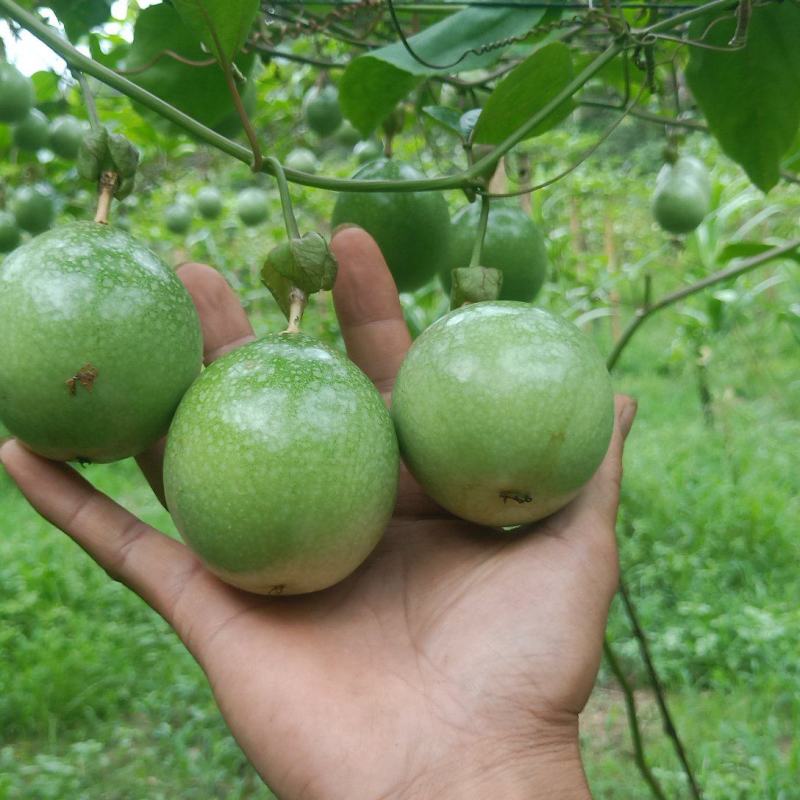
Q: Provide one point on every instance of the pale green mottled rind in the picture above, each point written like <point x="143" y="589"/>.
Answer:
<point x="91" y="294"/>
<point x="497" y="399"/>
<point x="281" y="466"/>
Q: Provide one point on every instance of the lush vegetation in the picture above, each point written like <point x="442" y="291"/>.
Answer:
<point x="100" y="700"/>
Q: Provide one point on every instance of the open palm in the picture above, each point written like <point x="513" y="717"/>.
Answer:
<point x="453" y="663"/>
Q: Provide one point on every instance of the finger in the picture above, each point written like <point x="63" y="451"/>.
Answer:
<point x="588" y="523"/>
<point x="223" y="320"/>
<point x="601" y="494"/>
<point x="225" y="326"/>
<point x="368" y="307"/>
<point x="160" y="570"/>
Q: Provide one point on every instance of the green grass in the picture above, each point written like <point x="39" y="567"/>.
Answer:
<point x="100" y="701"/>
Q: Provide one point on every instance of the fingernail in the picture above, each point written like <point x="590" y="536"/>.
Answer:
<point x="626" y="416"/>
<point x="343" y="227"/>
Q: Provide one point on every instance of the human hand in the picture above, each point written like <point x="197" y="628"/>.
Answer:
<point x="452" y="664"/>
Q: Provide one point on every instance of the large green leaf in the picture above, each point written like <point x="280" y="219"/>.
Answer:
<point x="747" y="249"/>
<point x="79" y="18"/>
<point x="526" y="90"/>
<point x="751" y="96"/>
<point x="373" y="83"/>
<point x="221" y="25"/>
<point x="199" y="91"/>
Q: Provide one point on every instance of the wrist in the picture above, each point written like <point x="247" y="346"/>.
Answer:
<point x="548" y="769"/>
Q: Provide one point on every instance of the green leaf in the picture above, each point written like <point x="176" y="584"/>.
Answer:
<point x="79" y="18"/>
<point x="751" y="97"/>
<point x="373" y="84"/>
<point x="199" y="91"/>
<point x="468" y="120"/>
<point x="108" y="49"/>
<point x="448" y="118"/>
<point x="526" y="90"/>
<point x="221" y="25"/>
<point x="46" y="85"/>
<point x="749" y="249"/>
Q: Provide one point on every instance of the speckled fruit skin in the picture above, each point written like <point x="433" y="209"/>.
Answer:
<point x="65" y="135"/>
<point x="252" y="206"/>
<point x="178" y="217"/>
<point x="682" y="196"/>
<point x="281" y="466"/>
<point x="503" y="412"/>
<point x="16" y="94"/>
<point x="34" y="207"/>
<point x="321" y="110"/>
<point x="9" y="232"/>
<point x="513" y="244"/>
<point x="209" y="202"/>
<point x="31" y="133"/>
<point x="412" y="229"/>
<point x="88" y="295"/>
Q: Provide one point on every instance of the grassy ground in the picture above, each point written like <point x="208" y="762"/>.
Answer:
<point x="99" y="700"/>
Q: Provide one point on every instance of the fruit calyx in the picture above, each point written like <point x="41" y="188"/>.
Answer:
<point x="474" y="284"/>
<point x="102" y="153"/>
<point x="296" y="269"/>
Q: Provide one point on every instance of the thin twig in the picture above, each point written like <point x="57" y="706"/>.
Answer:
<point x="643" y="313"/>
<point x="633" y="721"/>
<point x="169" y="54"/>
<point x="590" y="151"/>
<point x="658" y="690"/>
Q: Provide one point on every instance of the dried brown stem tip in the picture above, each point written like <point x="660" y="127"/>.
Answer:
<point x="107" y="185"/>
<point x="297" y="306"/>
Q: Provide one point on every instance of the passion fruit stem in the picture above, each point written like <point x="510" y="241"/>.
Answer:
<point x="297" y="305"/>
<point x="276" y="168"/>
<point x="107" y="187"/>
<point x="477" y="249"/>
<point x="88" y="98"/>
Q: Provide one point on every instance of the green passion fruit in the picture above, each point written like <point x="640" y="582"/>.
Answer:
<point x="178" y="217"/>
<point x="32" y="132"/>
<point x="65" y="136"/>
<point x="16" y="94"/>
<point x="412" y="229"/>
<point x="252" y="206"/>
<point x="367" y="150"/>
<point x="9" y="232"/>
<point x="302" y="159"/>
<point x="321" y="110"/>
<point x="682" y="197"/>
<point x="513" y="244"/>
<point x="34" y="207"/>
<point x="209" y="202"/>
<point x="503" y="412"/>
<point x="100" y="341"/>
<point x="281" y="466"/>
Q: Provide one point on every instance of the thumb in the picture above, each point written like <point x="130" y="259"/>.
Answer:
<point x="601" y="494"/>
